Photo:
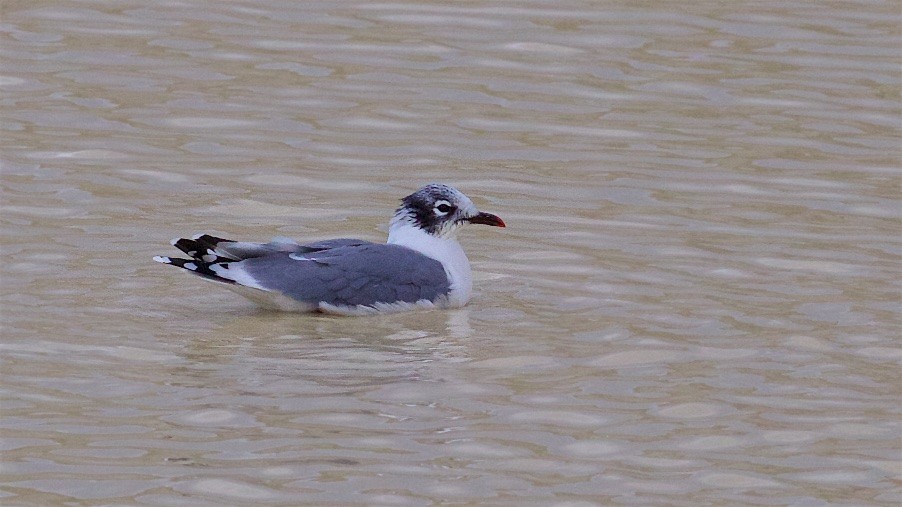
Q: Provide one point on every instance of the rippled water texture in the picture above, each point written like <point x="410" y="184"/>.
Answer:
<point x="696" y="300"/>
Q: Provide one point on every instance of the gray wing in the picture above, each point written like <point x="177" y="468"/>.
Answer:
<point x="352" y="275"/>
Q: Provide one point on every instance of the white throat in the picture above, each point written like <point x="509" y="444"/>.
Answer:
<point x="445" y="250"/>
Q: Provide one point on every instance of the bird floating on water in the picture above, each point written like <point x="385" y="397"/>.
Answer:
<point x="421" y="266"/>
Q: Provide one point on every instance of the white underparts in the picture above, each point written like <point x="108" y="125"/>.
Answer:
<point x="274" y="300"/>
<point x="445" y="249"/>
<point x="378" y="308"/>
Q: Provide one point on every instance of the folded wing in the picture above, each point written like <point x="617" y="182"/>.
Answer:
<point x="350" y="275"/>
<point x="339" y="272"/>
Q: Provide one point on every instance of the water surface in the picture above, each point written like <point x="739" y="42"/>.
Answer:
<point x="696" y="299"/>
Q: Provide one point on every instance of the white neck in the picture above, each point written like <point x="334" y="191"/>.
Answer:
<point x="443" y="249"/>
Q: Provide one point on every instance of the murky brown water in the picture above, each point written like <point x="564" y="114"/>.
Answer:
<point x="696" y="300"/>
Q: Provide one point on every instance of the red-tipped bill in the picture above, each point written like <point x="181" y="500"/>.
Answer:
<point x="486" y="219"/>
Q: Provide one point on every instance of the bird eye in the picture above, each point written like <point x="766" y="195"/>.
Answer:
<point x="442" y="208"/>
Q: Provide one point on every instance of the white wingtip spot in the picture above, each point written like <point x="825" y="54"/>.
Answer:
<point x="164" y="260"/>
<point x="208" y="258"/>
<point x="190" y="265"/>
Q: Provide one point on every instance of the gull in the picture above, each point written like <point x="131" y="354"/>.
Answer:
<point x="420" y="266"/>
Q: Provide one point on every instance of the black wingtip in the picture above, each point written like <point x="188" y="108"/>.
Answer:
<point x="199" y="268"/>
<point x="201" y="247"/>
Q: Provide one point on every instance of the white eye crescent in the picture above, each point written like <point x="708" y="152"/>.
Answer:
<point x="442" y="208"/>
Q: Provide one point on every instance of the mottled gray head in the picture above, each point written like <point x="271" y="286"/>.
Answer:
<point x="441" y="209"/>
